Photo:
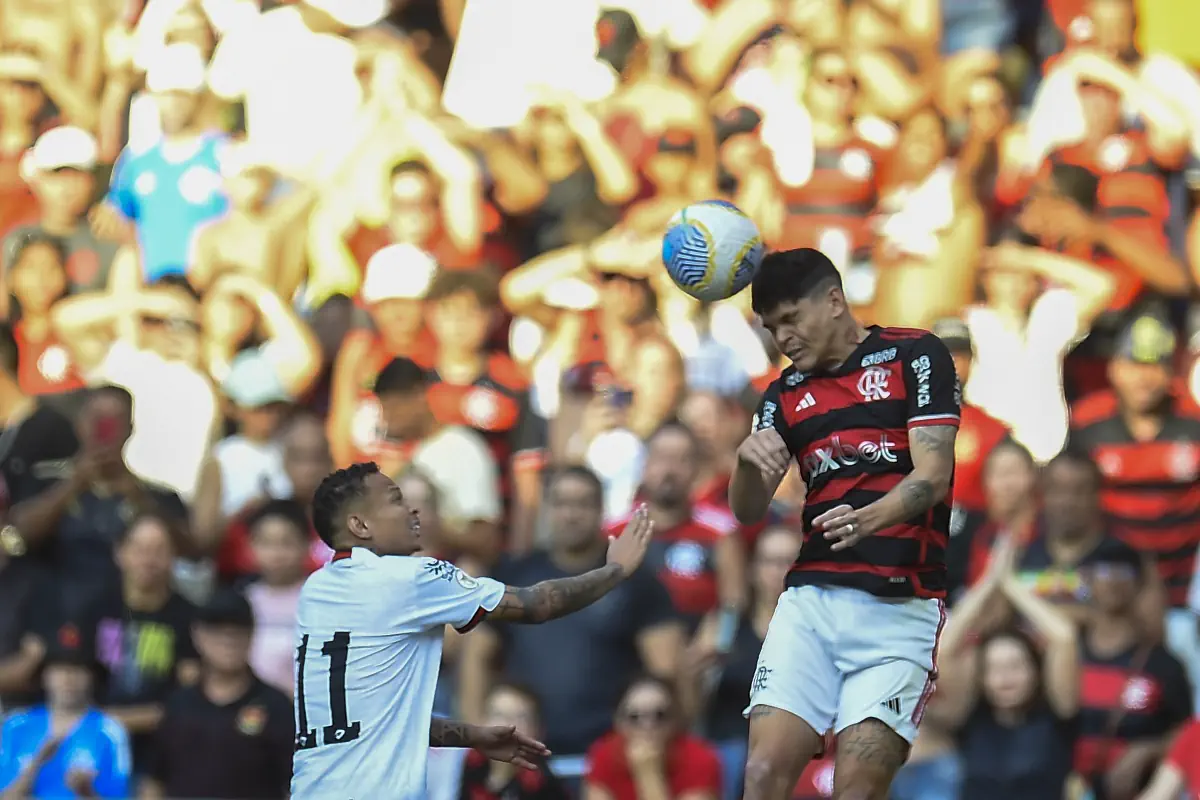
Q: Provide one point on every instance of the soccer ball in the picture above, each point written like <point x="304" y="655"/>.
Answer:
<point x="712" y="250"/>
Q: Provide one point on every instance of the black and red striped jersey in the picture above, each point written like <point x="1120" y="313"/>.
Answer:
<point x="848" y="431"/>
<point x="1151" y="490"/>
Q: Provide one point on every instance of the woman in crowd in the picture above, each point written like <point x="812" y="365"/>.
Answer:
<point x="1013" y="707"/>
<point x="509" y="704"/>
<point x="720" y="664"/>
<point x="38" y="279"/>
<point x="648" y="754"/>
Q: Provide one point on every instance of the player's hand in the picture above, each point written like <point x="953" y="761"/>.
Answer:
<point x="628" y="549"/>
<point x="506" y="743"/>
<point x="767" y="451"/>
<point x="841" y="525"/>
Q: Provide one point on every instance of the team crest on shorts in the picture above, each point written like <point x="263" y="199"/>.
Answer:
<point x="251" y="720"/>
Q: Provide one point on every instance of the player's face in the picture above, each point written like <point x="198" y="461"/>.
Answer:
<point x="576" y="512"/>
<point x="1141" y="387"/>
<point x="1069" y="499"/>
<point x="804" y="330"/>
<point x="1009" y="674"/>
<point x="387" y="523"/>
<point x="670" y="472"/>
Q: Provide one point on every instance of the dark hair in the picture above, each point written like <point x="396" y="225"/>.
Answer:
<point x="1026" y="643"/>
<point x="10" y="354"/>
<point x="33" y="238"/>
<point x="289" y="511"/>
<point x="786" y="276"/>
<point x="646" y="679"/>
<point x="179" y="282"/>
<point x="400" y="376"/>
<point x="1073" y="456"/>
<point x="1009" y="444"/>
<point x="170" y="527"/>
<point x="1078" y="184"/>
<point x="524" y="691"/>
<point x="576" y="472"/>
<point x="483" y="284"/>
<point x="334" y="493"/>
<point x="675" y="426"/>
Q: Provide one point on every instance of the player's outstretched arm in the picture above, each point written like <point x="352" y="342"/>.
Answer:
<point x="556" y="598"/>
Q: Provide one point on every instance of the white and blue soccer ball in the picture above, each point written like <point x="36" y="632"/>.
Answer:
<point x="712" y="250"/>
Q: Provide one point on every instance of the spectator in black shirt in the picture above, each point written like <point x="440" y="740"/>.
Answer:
<point x="143" y="633"/>
<point x="1015" y="710"/>
<point x="28" y="599"/>
<point x="578" y="665"/>
<point x="1135" y="695"/>
<point x="84" y="513"/>
<point x="515" y="705"/>
<point x="230" y="735"/>
<point x="36" y="442"/>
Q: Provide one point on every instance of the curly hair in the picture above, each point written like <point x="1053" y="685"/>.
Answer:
<point x="332" y="495"/>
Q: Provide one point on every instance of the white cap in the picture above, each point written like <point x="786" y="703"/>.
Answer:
<point x="65" y="146"/>
<point x="398" y="272"/>
<point x="176" y="68"/>
<point x="352" y="13"/>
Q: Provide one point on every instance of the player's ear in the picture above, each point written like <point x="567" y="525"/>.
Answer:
<point x="357" y="526"/>
<point x="837" y="301"/>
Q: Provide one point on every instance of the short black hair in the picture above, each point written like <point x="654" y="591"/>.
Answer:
<point x="580" y="473"/>
<point x="483" y="284"/>
<point x="786" y="276"/>
<point x="1082" y="459"/>
<point x="289" y="511"/>
<point x="10" y="354"/>
<point x="334" y="492"/>
<point x="400" y="376"/>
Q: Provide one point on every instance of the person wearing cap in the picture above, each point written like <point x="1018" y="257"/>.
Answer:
<point x="394" y="287"/>
<point x="171" y="186"/>
<point x="66" y="747"/>
<point x="1124" y="734"/>
<point x="59" y="169"/>
<point x="1144" y="434"/>
<point x="978" y="432"/>
<point x="230" y="734"/>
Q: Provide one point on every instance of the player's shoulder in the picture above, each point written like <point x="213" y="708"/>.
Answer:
<point x="903" y="335"/>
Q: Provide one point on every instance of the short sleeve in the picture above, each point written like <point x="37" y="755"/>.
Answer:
<point x="1185" y="750"/>
<point x="445" y="595"/>
<point x="934" y="396"/>
<point x="768" y="414"/>
<point x="120" y="192"/>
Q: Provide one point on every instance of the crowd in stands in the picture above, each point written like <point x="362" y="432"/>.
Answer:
<point x="245" y="242"/>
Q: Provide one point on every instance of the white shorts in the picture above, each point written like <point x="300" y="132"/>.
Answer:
<point x="835" y="656"/>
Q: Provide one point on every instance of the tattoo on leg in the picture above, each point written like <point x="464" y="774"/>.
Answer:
<point x="868" y="756"/>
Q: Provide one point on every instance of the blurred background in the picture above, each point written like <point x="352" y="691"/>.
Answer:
<point x="245" y="242"/>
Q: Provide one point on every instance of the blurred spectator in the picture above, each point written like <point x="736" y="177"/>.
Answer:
<point x="67" y="747"/>
<point x="1134" y="694"/>
<point x="577" y="666"/>
<point x="37" y="278"/>
<point x="1015" y="709"/>
<point x="719" y="665"/>
<point x="978" y="432"/>
<point x="28" y="621"/>
<point x="60" y="170"/>
<point x="230" y="735"/>
<point x="25" y="111"/>
<point x="648" y="754"/>
<point x="509" y="704"/>
<point x="394" y="287"/>
<point x="142" y="632"/>
<point x="1143" y="437"/>
<point x="454" y="457"/>
<point x="696" y="550"/>
<point x="279" y="537"/>
<point x="167" y="190"/>
<point x="81" y="517"/>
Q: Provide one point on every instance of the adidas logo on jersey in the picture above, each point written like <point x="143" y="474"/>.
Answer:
<point x="808" y="401"/>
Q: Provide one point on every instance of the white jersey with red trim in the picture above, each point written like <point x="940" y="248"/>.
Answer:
<point x="368" y="648"/>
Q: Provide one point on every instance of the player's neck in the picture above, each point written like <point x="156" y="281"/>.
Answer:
<point x="844" y="345"/>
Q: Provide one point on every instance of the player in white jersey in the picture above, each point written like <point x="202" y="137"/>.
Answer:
<point x="369" y="642"/>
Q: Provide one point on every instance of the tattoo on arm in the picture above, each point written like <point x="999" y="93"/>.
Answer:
<point x="936" y="440"/>
<point x="553" y="599"/>
<point x="932" y="445"/>
<point x="449" y="733"/>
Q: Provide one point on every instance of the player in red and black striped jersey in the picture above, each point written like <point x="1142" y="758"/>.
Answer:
<point x="870" y="415"/>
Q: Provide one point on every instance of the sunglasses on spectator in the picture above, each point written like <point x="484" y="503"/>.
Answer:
<point x="647" y="716"/>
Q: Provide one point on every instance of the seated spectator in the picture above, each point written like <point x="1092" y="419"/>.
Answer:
<point x="279" y="535"/>
<point x="1178" y="774"/>
<point x="38" y="279"/>
<point x="59" y="169"/>
<point x="230" y="735"/>
<point x="649" y="753"/>
<point x="28" y="621"/>
<point x="142" y="630"/>
<point x="696" y="551"/>
<point x="396" y="281"/>
<point x="83" y="515"/>
<point x="516" y="706"/>
<point x="576" y="665"/>
<point x="67" y="747"/>
<point x="454" y="457"/>
<point x="727" y="656"/>
<point x="1014" y="710"/>
<point x="1123" y="734"/>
